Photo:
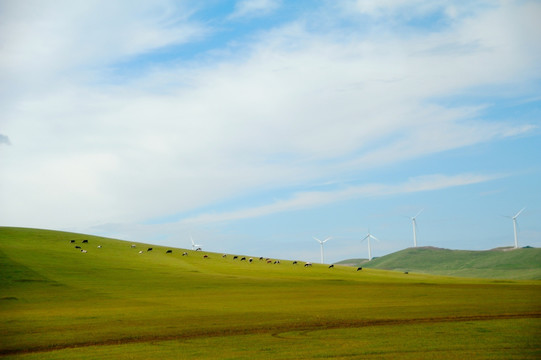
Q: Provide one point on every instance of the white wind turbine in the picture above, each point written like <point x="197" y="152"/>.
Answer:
<point x="194" y="245"/>
<point x="515" y="226"/>
<point x="414" y="224"/>
<point x="368" y="237"/>
<point x="321" y="242"/>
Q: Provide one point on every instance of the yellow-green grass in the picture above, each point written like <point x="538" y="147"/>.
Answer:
<point x="112" y="302"/>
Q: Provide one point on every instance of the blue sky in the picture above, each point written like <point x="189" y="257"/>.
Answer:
<point x="255" y="125"/>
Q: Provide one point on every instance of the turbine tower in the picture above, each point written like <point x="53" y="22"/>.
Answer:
<point x="414" y="224"/>
<point x="321" y="242"/>
<point x="194" y="245"/>
<point x="368" y="237"/>
<point x="515" y="226"/>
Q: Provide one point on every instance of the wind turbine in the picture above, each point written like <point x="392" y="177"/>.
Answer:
<point x="515" y="226"/>
<point x="368" y="237"/>
<point x="194" y="245"/>
<point x="321" y="242"/>
<point x="414" y="224"/>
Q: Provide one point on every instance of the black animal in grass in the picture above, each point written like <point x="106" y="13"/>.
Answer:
<point x="85" y="241"/>
<point x="169" y="252"/>
<point x="331" y="266"/>
<point x="149" y="249"/>
<point x="359" y="268"/>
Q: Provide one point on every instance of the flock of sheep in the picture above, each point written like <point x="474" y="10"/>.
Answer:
<point x="235" y="257"/>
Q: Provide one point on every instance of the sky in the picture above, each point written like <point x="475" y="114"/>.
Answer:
<point x="255" y="125"/>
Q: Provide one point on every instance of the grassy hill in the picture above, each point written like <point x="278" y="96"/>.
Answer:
<point x="502" y="263"/>
<point x="114" y="302"/>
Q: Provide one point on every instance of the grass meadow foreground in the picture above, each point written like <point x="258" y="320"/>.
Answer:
<point x="116" y="303"/>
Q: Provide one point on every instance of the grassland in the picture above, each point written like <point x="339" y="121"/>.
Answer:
<point x="114" y="303"/>
<point x="504" y="263"/>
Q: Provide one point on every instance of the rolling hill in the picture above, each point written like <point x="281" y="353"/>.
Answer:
<point x="501" y="263"/>
<point x="116" y="301"/>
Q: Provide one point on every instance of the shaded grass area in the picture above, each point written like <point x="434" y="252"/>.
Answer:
<point x="56" y="302"/>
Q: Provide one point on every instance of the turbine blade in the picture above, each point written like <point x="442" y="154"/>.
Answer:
<point x="327" y="239"/>
<point x="516" y="216"/>
<point x="373" y="237"/>
<point x="419" y="213"/>
<point x="316" y="239"/>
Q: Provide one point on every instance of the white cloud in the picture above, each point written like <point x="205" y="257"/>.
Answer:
<point x="42" y="42"/>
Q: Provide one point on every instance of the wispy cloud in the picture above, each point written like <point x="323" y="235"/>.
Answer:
<point x="254" y="8"/>
<point x="311" y="199"/>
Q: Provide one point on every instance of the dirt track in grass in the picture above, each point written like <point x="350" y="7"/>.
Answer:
<point x="276" y="331"/>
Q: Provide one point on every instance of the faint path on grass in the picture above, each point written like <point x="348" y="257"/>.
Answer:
<point x="275" y="331"/>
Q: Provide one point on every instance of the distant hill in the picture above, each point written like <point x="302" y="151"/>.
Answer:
<point x="500" y="263"/>
<point x="352" y="262"/>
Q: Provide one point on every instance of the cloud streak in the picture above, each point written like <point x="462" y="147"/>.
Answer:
<point x="306" y="200"/>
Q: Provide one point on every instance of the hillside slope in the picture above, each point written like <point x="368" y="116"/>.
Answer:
<point x="123" y="302"/>
<point x="505" y="263"/>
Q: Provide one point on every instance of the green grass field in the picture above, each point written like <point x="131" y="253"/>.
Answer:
<point x="114" y="303"/>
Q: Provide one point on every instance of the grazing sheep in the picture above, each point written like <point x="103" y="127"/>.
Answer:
<point x="99" y="246"/>
<point x="308" y="264"/>
<point x="243" y="258"/>
<point x="132" y="245"/>
<point x="184" y="253"/>
<point x="169" y="252"/>
<point x="250" y="259"/>
<point x="261" y="258"/>
<point x="331" y="266"/>
<point x="277" y="262"/>
<point x="85" y="241"/>
<point x="141" y="251"/>
<point x="359" y="268"/>
<point x="205" y="256"/>
<point x="235" y="257"/>
<point x="72" y="241"/>
<point x="149" y="249"/>
<point x="77" y="247"/>
<point x="83" y="251"/>
<point x="295" y="262"/>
